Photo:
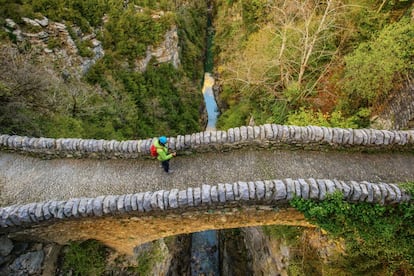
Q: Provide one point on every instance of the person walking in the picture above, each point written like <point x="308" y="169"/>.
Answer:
<point x="163" y="155"/>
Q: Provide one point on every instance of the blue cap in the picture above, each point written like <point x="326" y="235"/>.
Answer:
<point x="163" y="140"/>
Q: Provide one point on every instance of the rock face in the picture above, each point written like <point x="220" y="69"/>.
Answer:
<point x="168" y="51"/>
<point x="235" y="258"/>
<point x="268" y="257"/>
<point x="398" y="111"/>
<point x="56" y="42"/>
<point x="21" y="258"/>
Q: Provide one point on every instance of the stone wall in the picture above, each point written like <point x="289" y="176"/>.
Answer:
<point x="275" y="193"/>
<point x="265" y="136"/>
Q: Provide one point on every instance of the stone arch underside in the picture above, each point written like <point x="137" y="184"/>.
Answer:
<point x="124" y="233"/>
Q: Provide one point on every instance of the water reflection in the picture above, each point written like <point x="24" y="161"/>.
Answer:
<point x="204" y="245"/>
<point x="211" y="105"/>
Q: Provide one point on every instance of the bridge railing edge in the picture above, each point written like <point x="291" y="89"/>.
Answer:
<point x="271" y="193"/>
<point x="264" y="136"/>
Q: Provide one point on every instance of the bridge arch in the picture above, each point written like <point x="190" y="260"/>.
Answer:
<point x="179" y="206"/>
<point x="125" y="221"/>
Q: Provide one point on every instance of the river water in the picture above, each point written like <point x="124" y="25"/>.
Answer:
<point x="204" y="245"/>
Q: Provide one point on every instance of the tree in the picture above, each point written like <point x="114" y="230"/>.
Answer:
<point x="23" y="92"/>
<point x="377" y="66"/>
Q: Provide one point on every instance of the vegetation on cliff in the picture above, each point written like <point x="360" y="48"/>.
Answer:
<point x="291" y="61"/>
<point x="378" y="239"/>
<point x="114" y="100"/>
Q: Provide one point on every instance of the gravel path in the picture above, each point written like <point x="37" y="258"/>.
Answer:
<point x="26" y="179"/>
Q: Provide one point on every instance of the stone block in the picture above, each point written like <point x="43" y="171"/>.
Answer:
<point x="182" y="198"/>
<point x="128" y="203"/>
<point x="214" y="194"/>
<point x="67" y="208"/>
<point x="236" y="191"/>
<point x="314" y="189"/>
<point x="229" y="192"/>
<point x="243" y="133"/>
<point x="357" y="191"/>
<point x="243" y="191"/>
<point x="376" y="192"/>
<point x="384" y="192"/>
<point x="260" y="190"/>
<point x="82" y="207"/>
<point x="237" y="136"/>
<point x="32" y="212"/>
<point x="397" y="191"/>
<point x="392" y="196"/>
<point x="290" y="188"/>
<point x="364" y="192"/>
<point x="298" y="191"/>
<point x="160" y="200"/>
<point x="53" y="208"/>
<point x="252" y="190"/>
<point x="322" y="188"/>
<point x="330" y="186"/>
<point x="221" y="193"/>
<point x="39" y="211"/>
<point x="190" y="196"/>
<point x="23" y="214"/>
<point x="268" y="131"/>
<point x="205" y="194"/>
<point x="154" y="201"/>
<point x="121" y="204"/>
<point x="280" y="190"/>
<point x="166" y="195"/>
<point x="172" y="199"/>
<point x="147" y="201"/>
<point x="250" y="133"/>
<point x="304" y="187"/>
<point x="207" y="137"/>
<point x="61" y="209"/>
<point x="256" y="131"/>
<point x="110" y="204"/>
<point x="230" y="135"/>
<point x="45" y="210"/>
<point x="269" y="189"/>
<point x="97" y="206"/>
<point x="197" y="196"/>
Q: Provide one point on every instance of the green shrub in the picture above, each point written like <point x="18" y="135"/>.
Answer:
<point x="305" y="117"/>
<point x="84" y="258"/>
<point x="377" y="66"/>
<point x="378" y="238"/>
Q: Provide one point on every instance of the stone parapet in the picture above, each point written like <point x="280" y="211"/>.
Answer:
<point x="273" y="193"/>
<point x="265" y="136"/>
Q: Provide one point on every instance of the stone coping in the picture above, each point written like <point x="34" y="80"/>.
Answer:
<point x="264" y="136"/>
<point x="267" y="192"/>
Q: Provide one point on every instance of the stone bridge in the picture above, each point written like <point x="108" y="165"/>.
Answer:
<point x="113" y="191"/>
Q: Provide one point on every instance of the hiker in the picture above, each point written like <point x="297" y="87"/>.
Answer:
<point x="162" y="153"/>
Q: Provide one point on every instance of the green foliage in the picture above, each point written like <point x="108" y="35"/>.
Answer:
<point x="84" y="258"/>
<point x="191" y="25"/>
<point x="305" y="117"/>
<point x="289" y="234"/>
<point x="375" y="67"/>
<point x="378" y="238"/>
<point x="408" y="187"/>
<point x="253" y="12"/>
<point x="123" y="104"/>
<point x="163" y="106"/>
<point x="147" y="258"/>
<point x="130" y="32"/>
